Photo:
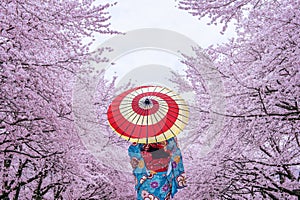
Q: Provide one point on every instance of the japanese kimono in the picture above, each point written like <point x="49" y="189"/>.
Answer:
<point x="158" y="169"/>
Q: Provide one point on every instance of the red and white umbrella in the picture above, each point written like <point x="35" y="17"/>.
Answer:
<point x="148" y="114"/>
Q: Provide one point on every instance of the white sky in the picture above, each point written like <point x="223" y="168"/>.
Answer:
<point x="129" y="15"/>
<point x="135" y="14"/>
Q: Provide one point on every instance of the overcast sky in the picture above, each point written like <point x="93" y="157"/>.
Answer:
<point x="134" y="14"/>
<point x="129" y="15"/>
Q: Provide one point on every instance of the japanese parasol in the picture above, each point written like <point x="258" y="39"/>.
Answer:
<point x="148" y="114"/>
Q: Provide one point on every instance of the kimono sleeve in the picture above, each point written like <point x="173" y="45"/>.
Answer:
<point x="177" y="174"/>
<point x="138" y="165"/>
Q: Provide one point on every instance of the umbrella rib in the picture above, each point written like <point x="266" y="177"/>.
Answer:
<point x="153" y="92"/>
<point x="134" y="129"/>
<point x="171" y="106"/>
<point x="124" y="120"/>
<point x="123" y="131"/>
<point x="141" y="104"/>
<point x="176" y="100"/>
<point x="169" y="128"/>
<point x="153" y="127"/>
<point x="127" y="106"/>
<point x="133" y="94"/>
<point x="166" y="109"/>
<point x="147" y="128"/>
<point x="134" y="126"/>
<point x="159" y="125"/>
<point x="176" y="103"/>
<point x="168" y="93"/>
<point x="141" y="129"/>
<point x="125" y="100"/>
<point x="163" y="88"/>
<point x="173" y="99"/>
<point x="125" y="112"/>
<point x="177" y="119"/>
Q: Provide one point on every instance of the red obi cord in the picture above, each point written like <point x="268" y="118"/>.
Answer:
<point x="156" y="157"/>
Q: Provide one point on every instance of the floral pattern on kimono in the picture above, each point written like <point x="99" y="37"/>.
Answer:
<point x="152" y="185"/>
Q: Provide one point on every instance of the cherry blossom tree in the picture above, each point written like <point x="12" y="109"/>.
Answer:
<point x="257" y="156"/>
<point x="41" y="50"/>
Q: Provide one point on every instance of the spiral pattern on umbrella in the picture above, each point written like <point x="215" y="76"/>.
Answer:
<point x="148" y="114"/>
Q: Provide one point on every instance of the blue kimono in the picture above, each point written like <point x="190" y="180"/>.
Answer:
<point x="153" y="182"/>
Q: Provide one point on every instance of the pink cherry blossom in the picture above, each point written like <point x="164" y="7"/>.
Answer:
<point x="41" y="51"/>
<point x="257" y="154"/>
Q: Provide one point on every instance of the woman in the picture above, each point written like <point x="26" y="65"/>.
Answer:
<point x="158" y="169"/>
